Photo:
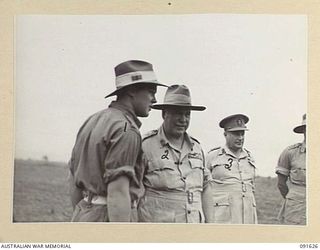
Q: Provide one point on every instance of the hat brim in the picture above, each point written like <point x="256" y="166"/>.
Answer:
<point x="166" y="106"/>
<point x="118" y="90"/>
<point x="237" y="129"/>
<point x="300" y="129"/>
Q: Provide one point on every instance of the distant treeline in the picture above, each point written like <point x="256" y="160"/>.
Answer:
<point x="40" y="163"/>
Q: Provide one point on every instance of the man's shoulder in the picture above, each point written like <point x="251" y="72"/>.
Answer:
<point x="247" y="151"/>
<point x="115" y="120"/>
<point x="150" y="134"/>
<point x="194" y="140"/>
<point x="215" y="152"/>
<point x="293" y="147"/>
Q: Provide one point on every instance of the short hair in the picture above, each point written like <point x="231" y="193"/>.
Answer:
<point x="133" y="87"/>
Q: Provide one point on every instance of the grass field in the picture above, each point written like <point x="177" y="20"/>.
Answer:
<point x="41" y="194"/>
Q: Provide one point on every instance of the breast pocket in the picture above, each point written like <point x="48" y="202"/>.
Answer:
<point x="222" y="169"/>
<point x="161" y="174"/>
<point x="298" y="175"/>
<point x="156" y="165"/>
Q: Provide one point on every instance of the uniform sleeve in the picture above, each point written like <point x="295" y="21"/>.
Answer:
<point x="208" y="161"/>
<point x="122" y="156"/>
<point x="207" y="178"/>
<point x="283" y="166"/>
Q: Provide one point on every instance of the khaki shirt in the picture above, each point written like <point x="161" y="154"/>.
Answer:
<point x="226" y="168"/>
<point x="233" y="188"/>
<point x="172" y="169"/>
<point x="292" y="163"/>
<point x="108" y="145"/>
<point x="173" y="179"/>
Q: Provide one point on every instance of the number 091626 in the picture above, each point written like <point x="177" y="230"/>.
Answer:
<point x="305" y="246"/>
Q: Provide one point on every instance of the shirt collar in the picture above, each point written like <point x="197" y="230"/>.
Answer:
<point x="129" y="112"/>
<point x="226" y="150"/>
<point x="164" y="140"/>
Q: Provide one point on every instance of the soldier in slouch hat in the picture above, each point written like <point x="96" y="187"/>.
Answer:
<point x="108" y="148"/>
<point x="177" y="183"/>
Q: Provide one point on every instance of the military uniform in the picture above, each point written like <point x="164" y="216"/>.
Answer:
<point x="173" y="179"/>
<point x="233" y="186"/>
<point x="292" y="163"/>
<point x="108" y="145"/>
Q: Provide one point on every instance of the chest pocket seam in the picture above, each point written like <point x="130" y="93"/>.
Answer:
<point x="158" y="165"/>
<point x="196" y="163"/>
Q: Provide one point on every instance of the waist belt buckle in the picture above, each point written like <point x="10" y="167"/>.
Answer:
<point x="190" y="197"/>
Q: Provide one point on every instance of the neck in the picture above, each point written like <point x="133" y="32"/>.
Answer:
<point x="236" y="151"/>
<point x="126" y="101"/>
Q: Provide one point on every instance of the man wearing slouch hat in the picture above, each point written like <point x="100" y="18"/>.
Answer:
<point x="176" y="181"/>
<point x="104" y="159"/>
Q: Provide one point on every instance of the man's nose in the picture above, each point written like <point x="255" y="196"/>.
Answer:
<point x="183" y="117"/>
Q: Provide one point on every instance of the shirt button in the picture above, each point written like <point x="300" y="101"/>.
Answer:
<point x="189" y="211"/>
<point x="243" y="195"/>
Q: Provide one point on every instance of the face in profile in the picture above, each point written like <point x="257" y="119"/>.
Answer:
<point x="143" y="98"/>
<point x="176" y="121"/>
<point x="234" y="139"/>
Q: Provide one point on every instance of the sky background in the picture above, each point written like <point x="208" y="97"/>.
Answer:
<point x="250" y="64"/>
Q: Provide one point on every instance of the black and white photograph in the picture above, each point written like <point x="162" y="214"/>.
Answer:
<point x="194" y="118"/>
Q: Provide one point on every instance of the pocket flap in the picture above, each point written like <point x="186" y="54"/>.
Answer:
<point x="221" y="201"/>
<point x="159" y="165"/>
<point x="196" y="163"/>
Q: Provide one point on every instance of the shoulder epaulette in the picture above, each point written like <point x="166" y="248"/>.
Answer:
<point x="131" y="122"/>
<point x="248" y="152"/>
<point x="294" y="146"/>
<point x="195" y="139"/>
<point x="149" y="134"/>
<point x="213" y="149"/>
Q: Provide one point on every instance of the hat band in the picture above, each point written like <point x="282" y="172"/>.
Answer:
<point x="178" y="99"/>
<point x="135" y="77"/>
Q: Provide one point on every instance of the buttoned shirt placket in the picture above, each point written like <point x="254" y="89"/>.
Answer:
<point x="244" y="188"/>
<point x="178" y="156"/>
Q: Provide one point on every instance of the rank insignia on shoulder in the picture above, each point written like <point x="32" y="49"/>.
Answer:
<point x="150" y="134"/>
<point x="195" y="139"/>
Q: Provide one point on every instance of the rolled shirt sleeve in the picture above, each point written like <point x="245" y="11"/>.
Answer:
<point x="283" y="166"/>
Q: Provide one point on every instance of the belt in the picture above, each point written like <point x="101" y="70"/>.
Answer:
<point x="189" y="196"/>
<point x="96" y="200"/>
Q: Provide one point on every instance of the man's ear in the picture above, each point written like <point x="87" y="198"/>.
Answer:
<point x="131" y="91"/>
